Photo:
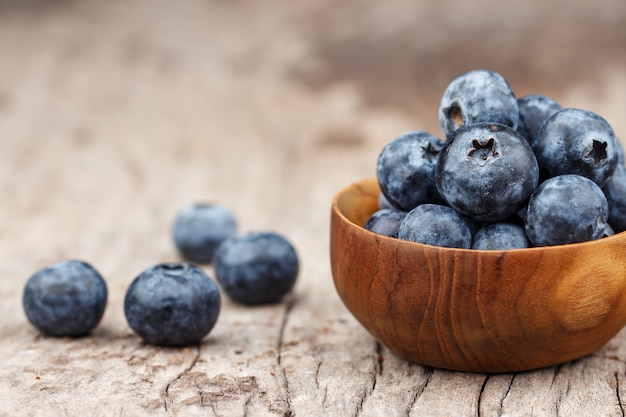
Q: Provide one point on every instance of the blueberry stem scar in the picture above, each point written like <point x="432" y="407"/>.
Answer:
<point x="489" y="145"/>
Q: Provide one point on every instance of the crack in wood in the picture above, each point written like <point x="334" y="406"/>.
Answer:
<point x="506" y="394"/>
<point x="619" y="398"/>
<point x="420" y="390"/>
<point x="480" y="396"/>
<point x="166" y="394"/>
<point x="377" y="372"/>
<point x="279" y="349"/>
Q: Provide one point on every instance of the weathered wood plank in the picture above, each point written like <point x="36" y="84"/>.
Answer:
<point x="115" y="114"/>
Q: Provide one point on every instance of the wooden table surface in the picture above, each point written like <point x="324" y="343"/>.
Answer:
<point x="113" y="115"/>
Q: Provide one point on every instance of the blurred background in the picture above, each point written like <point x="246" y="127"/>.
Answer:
<point x="119" y="112"/>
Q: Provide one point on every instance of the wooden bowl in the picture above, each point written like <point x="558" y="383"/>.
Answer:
<point x="474" y="310"/>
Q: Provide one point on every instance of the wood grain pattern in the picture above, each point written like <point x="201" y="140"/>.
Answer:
<point x="480" y="311"/>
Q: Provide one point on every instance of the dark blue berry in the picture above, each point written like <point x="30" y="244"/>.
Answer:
<point x="256" y="268"/>
<point x="436" y="225"/>
<point x="487" y="172"/>
<point x="615" y="192"/>
<point x="534" y="109"/>
<point x="500" y="236"/>
<point x="566" y="209"/>
<point x="385" y="222"/>
<point x="620" y="152"/>
<point x="200" y="228"/>
<point x="67" y="298"/>
<point x="575" y="141"/>
<point x="406" y="170"/>
<point x="476" y="97"/>
<point x="172" y="304"/>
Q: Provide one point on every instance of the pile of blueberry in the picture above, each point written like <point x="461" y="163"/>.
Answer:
<point x="510" y="173"/>
<point x="176" y="303"/>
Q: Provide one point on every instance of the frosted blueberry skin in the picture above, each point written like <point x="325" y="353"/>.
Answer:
<point x="475" y="97"/>
<point x="383" y="203"/>
<point x="172" y="304"/>
<point x="615" y="193"/>
<point x="405" y="170"/>
<point x="256" y="268"/>
<point x="67" y="298"/>
<point x="575" y="141"/>
<point x="500" y="236"/>
<point x="436" y="225"/>
<point x="566" y="209"/>
<point x="534" y="109"/>
<point x="486" y="172"/>
<point x="385" y="222"/>
<point x="200" y="228"/>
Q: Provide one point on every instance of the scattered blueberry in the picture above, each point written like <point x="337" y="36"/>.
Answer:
<point x="172" y="304"/>
<point x="500" y="236"/>
<point x="200" y="228"/>
<point x="67" y="298"/>
<point x="486" y="172"/>
<point x="615" y="192"/>
<point x="475" y="97"/>
<point x="256" y="268"/>
<point x="575" y="141"/>
<point x="406" y="170"/>
<point x="534" y="109"/>
<point x="385" y="222"/>
<point x="566" y="209"/>
<point x="437" y="225"/>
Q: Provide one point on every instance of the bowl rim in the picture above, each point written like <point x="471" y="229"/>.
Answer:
<point x="498" y="252"/>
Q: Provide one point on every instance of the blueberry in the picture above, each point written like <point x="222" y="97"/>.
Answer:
<point x="256" y="268"/>
<point x="406" y="170"/>
<point x="486" y="172"/>
<point x="200" y="228"/>
<point x="500" y="236"/>
<point x="385" y="222"/>
<point x="566" y="209"/>
<point x="475" y="97"/>
<point x="172" y="304"/>
<point x="620" y="152"/>
<point x="383" y="203"/>
<point x="67" y="298"/>
<point x="436" y="225"/>
<point x="615" y="192"/>
<point x="575" y="141"/>
<point x="534" y="109"/>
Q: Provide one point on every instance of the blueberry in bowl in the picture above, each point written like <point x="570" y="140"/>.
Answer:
<point x="477" y="96"/>
<point x="577" y="141"/>
<point x="475" y="310"/>
<point x="486" y="171"/>
<point x="406" y="170"/>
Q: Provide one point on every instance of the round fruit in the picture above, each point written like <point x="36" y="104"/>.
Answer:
<point x="486" y="172"/>
<point x="200" y="228"/>
<point x="476" y="97"/>
<point x="172" y="304"/>
<point x="256" y="268"/>
<point x="67" y="298"/>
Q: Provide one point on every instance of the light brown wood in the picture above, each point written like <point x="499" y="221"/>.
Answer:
<point x="114" y="114"/>
<point x="473" y="310"/>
